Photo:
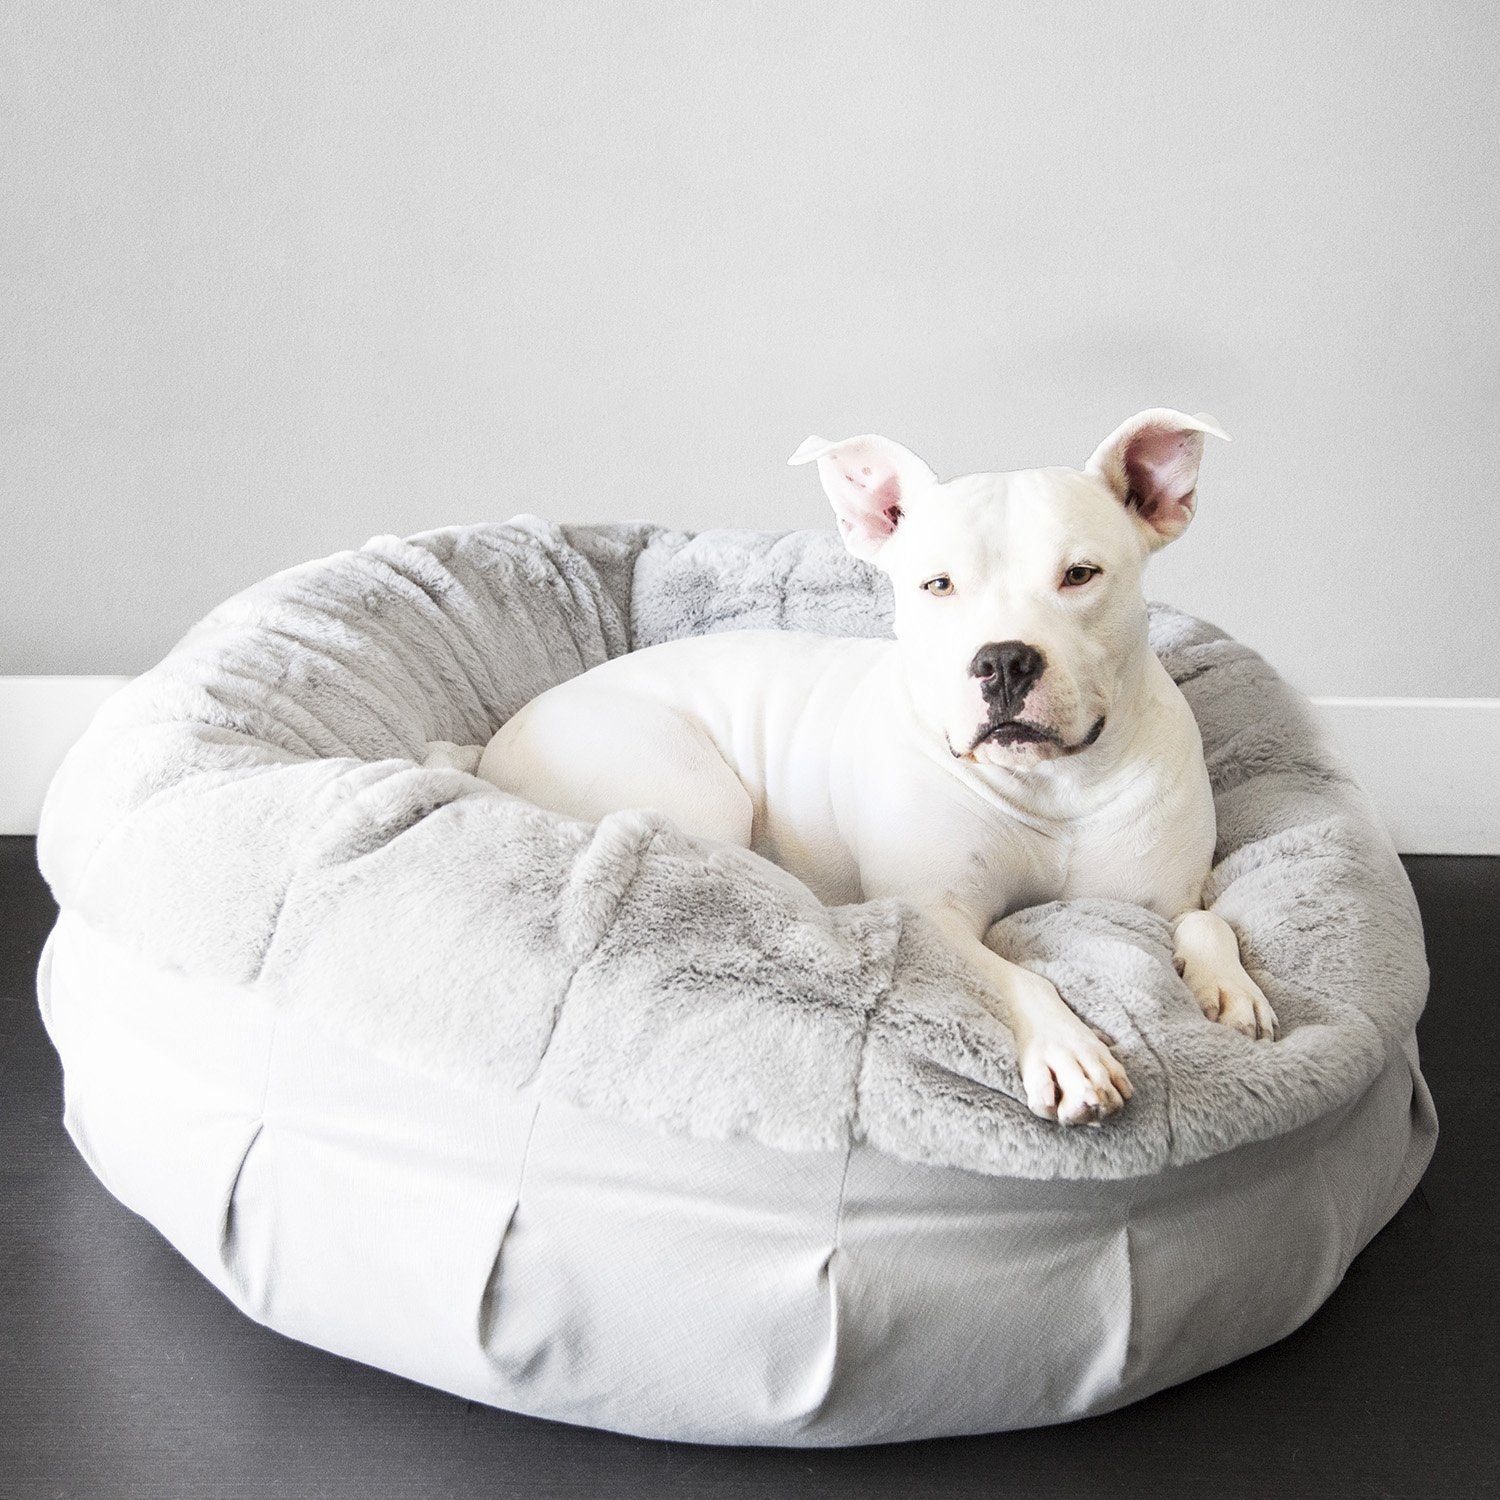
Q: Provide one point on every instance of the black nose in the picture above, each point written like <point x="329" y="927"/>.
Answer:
<point x="1006" y="670"/>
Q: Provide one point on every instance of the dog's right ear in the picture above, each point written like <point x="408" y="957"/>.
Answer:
<point x="868" y="480"/>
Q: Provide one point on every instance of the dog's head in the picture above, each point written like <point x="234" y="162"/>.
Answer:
<point x="1018" y="596"/>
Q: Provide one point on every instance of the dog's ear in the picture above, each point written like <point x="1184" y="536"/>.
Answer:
<point x="868" y="480"/>
<point x="1151" y="463"/>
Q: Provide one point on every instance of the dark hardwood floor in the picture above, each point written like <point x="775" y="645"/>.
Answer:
<point x="124" y="1374"/>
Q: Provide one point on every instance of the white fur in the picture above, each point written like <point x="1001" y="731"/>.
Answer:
<point x="857" y="766"/>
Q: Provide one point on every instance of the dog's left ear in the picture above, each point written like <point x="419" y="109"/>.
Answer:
<point x="1151" y="463"/>
<point x="868" y="480"/>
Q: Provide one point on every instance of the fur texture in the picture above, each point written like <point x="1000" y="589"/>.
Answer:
<point x="256" y="808"/>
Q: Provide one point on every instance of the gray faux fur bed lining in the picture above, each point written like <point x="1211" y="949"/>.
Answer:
<point x="253" y="809"/>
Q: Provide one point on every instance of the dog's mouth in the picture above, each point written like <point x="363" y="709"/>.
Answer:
<point x="1014" y="734"/>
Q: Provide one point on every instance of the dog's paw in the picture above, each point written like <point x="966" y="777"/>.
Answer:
<point x="1070" y="1076"/>
<point x="1232" y="999"/>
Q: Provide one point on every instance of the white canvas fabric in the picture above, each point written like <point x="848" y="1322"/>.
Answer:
<point x="596" y="1123"/>
<point x="519" y="1251"/>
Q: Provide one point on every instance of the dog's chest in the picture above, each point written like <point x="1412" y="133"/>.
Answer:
<point x="1149" y="843"/>
<point x="1152" y="851"/>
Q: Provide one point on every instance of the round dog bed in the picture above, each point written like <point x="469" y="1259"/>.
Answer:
<point x="605" y="1125"/>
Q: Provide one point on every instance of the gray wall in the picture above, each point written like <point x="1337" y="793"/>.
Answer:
<point x="280" y="277"/>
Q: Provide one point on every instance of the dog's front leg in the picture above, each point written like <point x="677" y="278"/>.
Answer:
<point x="1068" y="1071"/>
<point x="1207" y="955"/>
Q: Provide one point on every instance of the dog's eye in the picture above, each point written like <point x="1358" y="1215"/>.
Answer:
<point x="942" y="585"/>
<point x="1079" y="574"/>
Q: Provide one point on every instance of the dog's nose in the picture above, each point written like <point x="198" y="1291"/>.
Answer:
<point x="1006" y="670"/>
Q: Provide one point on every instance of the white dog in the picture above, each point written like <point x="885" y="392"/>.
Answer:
<point x="1016" y="743"/>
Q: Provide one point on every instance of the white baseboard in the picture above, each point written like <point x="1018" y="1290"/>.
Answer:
<point x="1431" y="764"/>
<point x="40" y="717"/>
